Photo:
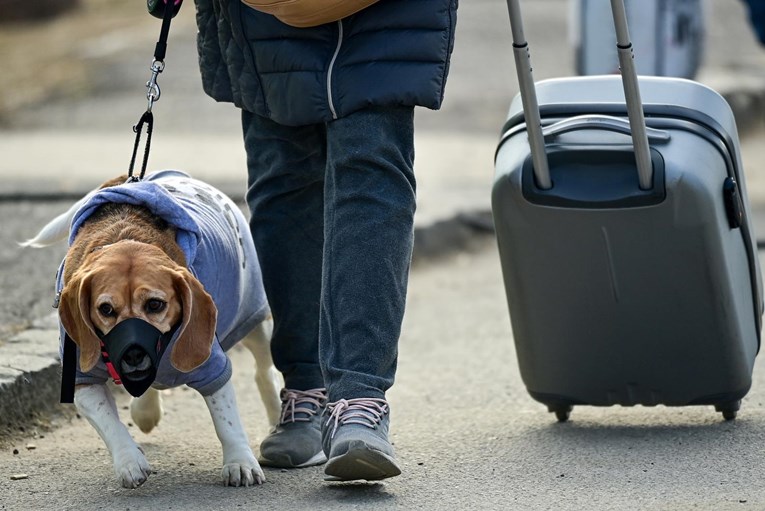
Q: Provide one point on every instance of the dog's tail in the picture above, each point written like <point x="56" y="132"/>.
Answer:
<point x="55" y="230"/>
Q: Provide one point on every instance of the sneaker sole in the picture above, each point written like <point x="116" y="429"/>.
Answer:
<point x="361" y="462"/>
<point x="318" y="459"/>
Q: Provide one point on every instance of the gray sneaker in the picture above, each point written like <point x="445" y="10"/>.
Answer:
<point x="296" y="441"/>
<point x="355" y="440"/>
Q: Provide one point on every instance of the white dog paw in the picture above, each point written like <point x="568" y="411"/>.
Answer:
<point x="242" y="472"/>
<point x="131" y="468"/>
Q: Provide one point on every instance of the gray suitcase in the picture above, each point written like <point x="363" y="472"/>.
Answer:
<point x="625" y="240"/>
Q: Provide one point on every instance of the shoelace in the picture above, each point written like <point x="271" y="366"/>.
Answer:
<point x="365" y="411"/>
<point x="301" y="405"/>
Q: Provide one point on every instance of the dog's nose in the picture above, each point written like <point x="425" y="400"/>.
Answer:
<point x="134" y="356"/>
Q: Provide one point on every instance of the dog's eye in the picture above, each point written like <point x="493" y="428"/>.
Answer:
<point x="155" y="305"/>
<point x="106" y="310"/>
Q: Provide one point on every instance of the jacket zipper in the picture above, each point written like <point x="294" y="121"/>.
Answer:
<point x="332" y="66"/>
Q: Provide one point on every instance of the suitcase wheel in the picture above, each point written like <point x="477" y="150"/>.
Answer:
<point x="729" y="410"/>
<point x="562" y="412"/>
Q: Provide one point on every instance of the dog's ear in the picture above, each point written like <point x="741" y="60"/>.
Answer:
<point x="74" y="311"/>
<point x="197" y="331"/>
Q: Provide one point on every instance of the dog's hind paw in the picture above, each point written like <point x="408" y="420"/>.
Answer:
<point x="242" y="473"/>
<point x="146" y="411"/>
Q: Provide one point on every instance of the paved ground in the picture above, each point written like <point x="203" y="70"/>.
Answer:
<point x="468" y="435"/>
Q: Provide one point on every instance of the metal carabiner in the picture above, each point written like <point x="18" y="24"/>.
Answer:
<point x="152" y="87"/>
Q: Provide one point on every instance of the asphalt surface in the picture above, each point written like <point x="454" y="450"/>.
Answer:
<point x="466" y="432"/>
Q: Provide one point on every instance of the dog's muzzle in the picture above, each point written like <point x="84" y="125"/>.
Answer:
<point x="126" y="348"/>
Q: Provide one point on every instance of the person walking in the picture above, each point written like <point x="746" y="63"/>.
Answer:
<point x="328" y="121"/>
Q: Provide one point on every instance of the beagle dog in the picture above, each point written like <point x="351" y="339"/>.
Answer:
<point x="160" y="279"/>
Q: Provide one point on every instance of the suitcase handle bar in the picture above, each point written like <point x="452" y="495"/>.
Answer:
<point x="631" y="95"/>
<point x="529" y="97"/>
<point x="602" y="122"/>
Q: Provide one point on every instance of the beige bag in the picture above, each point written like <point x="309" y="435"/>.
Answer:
<point x="309" y="13"/>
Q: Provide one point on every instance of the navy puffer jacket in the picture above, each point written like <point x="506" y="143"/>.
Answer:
<point x="395" y="52"/>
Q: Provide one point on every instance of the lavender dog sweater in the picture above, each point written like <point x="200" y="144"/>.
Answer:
<point x="214" y="235"/>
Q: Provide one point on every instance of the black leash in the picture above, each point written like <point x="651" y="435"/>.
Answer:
<point x="148" y="119"/>
<point x="157" y="8"/>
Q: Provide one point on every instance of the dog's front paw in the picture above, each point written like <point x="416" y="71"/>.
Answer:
<point x="131" y="467"/>
<point x="242" y="471"/>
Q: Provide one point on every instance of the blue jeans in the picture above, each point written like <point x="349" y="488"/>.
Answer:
<point x="332" y="214"/>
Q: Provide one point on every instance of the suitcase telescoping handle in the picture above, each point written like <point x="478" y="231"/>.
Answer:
<point x="631" y="95"/>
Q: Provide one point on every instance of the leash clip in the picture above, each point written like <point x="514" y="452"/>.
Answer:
<point x="152" y="87"/>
